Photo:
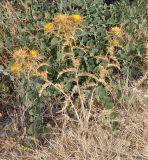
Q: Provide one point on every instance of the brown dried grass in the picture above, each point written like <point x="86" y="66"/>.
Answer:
<point x="90" y="138"/>
<point x="90" y="141"/>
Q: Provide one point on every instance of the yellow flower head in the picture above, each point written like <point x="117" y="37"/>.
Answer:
<point x="34" y="53"/>
<point x="117" y="31"/>
<point x="76" y="18"/>
<point x="48" y="27"/>
<point x="14" y="68"/>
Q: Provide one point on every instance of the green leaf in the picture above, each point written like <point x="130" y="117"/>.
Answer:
<point x="38" y="122"/>
<point x="128" y="47"/>
<point x="39" y="130"/>
<point x="100" y="91"/>
<point x="1" y="68"/>
<point x="29" y="26"/>
<point x="30" y="130"/>
<point x="8" y="41"/>
<point x="145" y="100"/>
<point x="54" y="41"/>
<point x="109" y="105"/>
<point x="114" y="115"/>
<point x="31" y="112"/>
<point x="141" y="49"/>
<point x="31" y="119"/>
<point x="115" y="126"/>
<point x="104" y="119"/>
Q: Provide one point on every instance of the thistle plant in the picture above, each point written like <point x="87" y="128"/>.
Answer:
<point x="64" y="28"/>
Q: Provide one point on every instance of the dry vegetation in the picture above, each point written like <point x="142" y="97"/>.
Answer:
<point x="91" y="140"/>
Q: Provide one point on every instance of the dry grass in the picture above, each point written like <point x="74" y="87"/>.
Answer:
<point x="94" y="142"/>
<point x="93" y="139"/>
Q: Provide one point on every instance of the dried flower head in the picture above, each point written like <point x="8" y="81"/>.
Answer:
<point x="114" y="43"/>
<point x="110" y="49"/>
<point x="76" y="62"/>
<point x="61" y="19"/>
<point x="117" y="31"/>
<point x="103" y="73"/>
<point x="19" y="54"/>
